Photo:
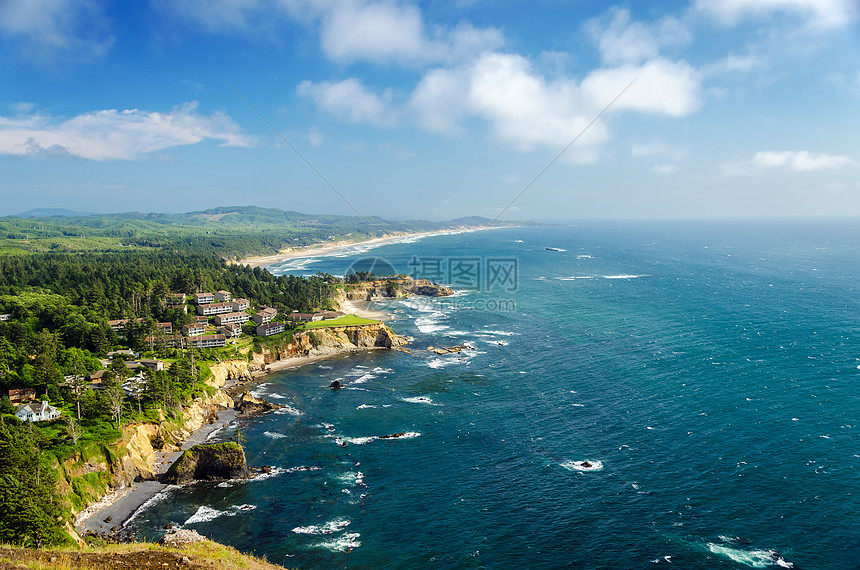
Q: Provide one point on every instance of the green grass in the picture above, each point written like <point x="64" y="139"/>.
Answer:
<point x="344" y="321"/>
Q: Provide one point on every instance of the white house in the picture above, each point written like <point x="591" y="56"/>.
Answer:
<point x="37" y="412"/>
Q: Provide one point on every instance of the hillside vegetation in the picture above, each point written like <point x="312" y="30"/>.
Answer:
<point x="137" y="556"/>
<point x="232" y="232"/>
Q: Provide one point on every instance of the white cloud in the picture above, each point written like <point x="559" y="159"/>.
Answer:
<point x="523" y="107"/>
<point x="388" y="31"/>
<point x="820" y="14"/>
<point x="622" y="41"/>
<point x="800" y="160"/>
<point x="375" y="32"/>
<point x="526" y="110"/>
<point x="350" y="99"/>
<point x="115" y="135"/>
<point x="663" y="87"/>
<point x="438" y="103"/>
<point x="46" y="29"/>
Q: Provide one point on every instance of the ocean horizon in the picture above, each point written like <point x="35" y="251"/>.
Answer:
<point x="629" y="395"/>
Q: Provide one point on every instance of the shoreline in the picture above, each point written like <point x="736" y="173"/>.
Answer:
<point x="121" y="506"/>
<point x="325" y="248"/>
<point x="117" y="509"/>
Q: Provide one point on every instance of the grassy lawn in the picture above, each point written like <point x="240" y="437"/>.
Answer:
<point x="344" y="321"/>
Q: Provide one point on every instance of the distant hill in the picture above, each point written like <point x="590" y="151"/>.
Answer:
<point x="229" y="232"/>
<point x="51" y="212"/>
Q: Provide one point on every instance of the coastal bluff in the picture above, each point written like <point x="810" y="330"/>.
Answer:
<point x="392" y="288"/>
<point x="209" y="462"/>
<point x="328" y="342"/>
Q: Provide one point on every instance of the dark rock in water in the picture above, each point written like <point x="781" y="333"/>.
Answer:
<point x="392" y="436"/>
<point x="447" y="350"/>
<point x="213" y="462"/>
<point x="336" y="385"/>
<point x="248" y="405"/>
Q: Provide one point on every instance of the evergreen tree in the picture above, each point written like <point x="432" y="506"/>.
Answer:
<point x="31" y="512"/>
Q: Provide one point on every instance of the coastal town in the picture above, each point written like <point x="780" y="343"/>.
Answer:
<point x="216" y="320"/>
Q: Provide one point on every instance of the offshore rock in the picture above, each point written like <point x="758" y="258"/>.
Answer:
<point x="447" y="350"/>
<point x="212" y="462"/>
<point x="249" y="406"/>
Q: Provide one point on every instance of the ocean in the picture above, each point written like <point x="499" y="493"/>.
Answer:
<point x="642" y="394"/>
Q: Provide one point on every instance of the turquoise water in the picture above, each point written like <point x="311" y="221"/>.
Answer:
<point x="708" y="373"/>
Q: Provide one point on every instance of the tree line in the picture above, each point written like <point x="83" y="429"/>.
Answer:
<point x="60" y="305"/>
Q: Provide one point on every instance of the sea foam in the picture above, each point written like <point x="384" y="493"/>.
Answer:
<point x="206" y="514"/>
<point x="274" y="435"/>
<point x="751" y="558"/>
<point x="330" y="527"/>
<point x="420" y="400"/>
<point x="346" y="542"/>
<point x="581" y="465"/>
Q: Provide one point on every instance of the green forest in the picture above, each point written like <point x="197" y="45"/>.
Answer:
<point x="231" y="233"/>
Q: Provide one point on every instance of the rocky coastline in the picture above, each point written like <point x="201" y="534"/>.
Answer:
<point x="142" y="470"/>
<point x="146" y="472"/>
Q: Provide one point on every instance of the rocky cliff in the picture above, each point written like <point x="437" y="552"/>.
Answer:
<point x="392" y="288"/>
<point x="328" y="341"/>
<point x="212" y="462"/>
<point x="228" y="370"/>
<point x="90" y="475"/>
<point x="202" y="410"/>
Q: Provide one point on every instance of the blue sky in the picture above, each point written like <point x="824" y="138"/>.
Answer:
<point x="436" y="109"/>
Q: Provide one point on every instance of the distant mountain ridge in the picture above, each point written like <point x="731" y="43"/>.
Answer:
<point x="257" y="214"/>
<point x="51" y="212"/>
<point x="229" y="232"/>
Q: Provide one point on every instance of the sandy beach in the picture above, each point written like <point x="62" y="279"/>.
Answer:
<point x="328" y="248"/>
<point x="364" y="309"/>
<point x="116" y="508"/>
